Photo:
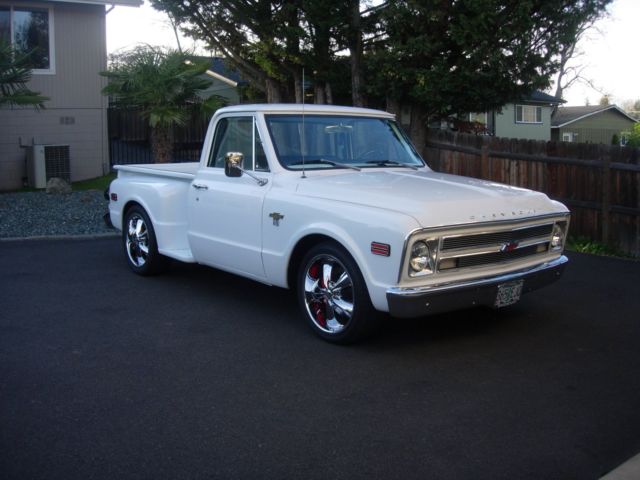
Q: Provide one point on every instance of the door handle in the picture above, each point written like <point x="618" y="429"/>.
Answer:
<point x="198" y="186"/>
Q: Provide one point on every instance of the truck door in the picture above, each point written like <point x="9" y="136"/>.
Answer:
<point x="225" y="213"/>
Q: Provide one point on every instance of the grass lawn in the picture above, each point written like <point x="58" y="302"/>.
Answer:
<point x="100" y="183"/>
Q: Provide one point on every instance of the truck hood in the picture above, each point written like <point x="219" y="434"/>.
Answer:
<point x="432" y="199"/>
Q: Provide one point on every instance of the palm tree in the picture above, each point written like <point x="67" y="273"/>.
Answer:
<point x="15" y="73"/>
<point x="162" y="84"/>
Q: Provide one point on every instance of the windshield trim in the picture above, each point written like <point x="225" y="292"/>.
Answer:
<point x="322" y="166"/>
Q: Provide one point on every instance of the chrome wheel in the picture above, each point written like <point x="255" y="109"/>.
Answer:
<point x="137" y="240"/>
<point x="328" y="293"/>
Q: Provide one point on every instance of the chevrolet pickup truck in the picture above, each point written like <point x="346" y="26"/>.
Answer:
<point x="336" y="203"/>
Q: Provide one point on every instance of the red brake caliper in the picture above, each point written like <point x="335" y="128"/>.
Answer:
<point x="316" y="306"/>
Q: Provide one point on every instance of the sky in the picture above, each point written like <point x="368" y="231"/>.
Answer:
<point x="610" y="59"/>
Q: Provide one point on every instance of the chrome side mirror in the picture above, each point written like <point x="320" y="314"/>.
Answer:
<point x="233" y="164"/>
<point x="233" y="167"/>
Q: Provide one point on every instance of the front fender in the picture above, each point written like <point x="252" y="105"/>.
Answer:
<point x="352" y="226"/>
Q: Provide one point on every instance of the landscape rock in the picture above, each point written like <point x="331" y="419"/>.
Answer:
<point x="57" y="186"/>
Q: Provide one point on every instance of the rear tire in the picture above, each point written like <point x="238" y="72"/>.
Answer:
<point x="333" y="296"/>
<point x="140" y="244"/>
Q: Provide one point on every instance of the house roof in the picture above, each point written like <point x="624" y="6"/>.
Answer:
<point x="219" y="69"/>
<point x="219" y="66"/>
<point x="130" y="3"/>
<point x="541" y="97"/>
<point x="567" y="115"/>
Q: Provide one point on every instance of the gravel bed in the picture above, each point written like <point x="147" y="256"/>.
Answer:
<point x="37" y="214"/>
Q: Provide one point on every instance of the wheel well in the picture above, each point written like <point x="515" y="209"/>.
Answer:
<point x="299" y="251"/>
<point x="128" y="206"/>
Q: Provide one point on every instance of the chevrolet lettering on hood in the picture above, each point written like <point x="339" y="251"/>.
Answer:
<point x="336" y="204"/>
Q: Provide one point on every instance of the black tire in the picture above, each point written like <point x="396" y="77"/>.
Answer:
<point x="140" y="245"/>
<point x="333" y="296"/>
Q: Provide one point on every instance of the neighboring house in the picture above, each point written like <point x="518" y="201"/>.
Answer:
<point x="590" y="124"/>
<point x="225" y="82"/>
<point x="69" y="41"/>
<point x="529" y="118"/>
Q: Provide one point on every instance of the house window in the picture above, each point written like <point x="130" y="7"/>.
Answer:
<point x="567" y="137"/>
<point x="29" y="29"/>
<point x="478" y="117"/>
<point x="528" y="114"/>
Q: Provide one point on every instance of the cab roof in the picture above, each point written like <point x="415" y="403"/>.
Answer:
<point x="298" y="108"/>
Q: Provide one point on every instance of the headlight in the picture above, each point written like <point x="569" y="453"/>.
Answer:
<point x="422" y="259"/>
<point x="558" y="235"/>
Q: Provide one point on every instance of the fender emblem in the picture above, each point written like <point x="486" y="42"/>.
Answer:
<point x="509" y="247"/>
<point x="276" y="218"/>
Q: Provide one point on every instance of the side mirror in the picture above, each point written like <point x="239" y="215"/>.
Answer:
<point x="233" y="164"/>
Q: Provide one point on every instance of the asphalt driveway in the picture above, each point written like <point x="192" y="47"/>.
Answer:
<point x="200" y="374"/>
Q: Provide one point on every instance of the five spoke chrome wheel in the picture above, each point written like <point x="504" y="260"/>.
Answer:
<point x="137" y="240"/>
<point x="328" y="293"/>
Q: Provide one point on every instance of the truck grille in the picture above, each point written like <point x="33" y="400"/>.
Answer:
<point x="483" y="239"/>
<point x="490" y="248"/>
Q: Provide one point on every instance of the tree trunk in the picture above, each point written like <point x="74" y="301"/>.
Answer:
<point x="297" y="86"/>
<point x="162" y="144"/>
<point x="393" y="106"/>
<point x="418" y="130"/>
<point x="274" y="95"/>
<point x="328" y="93"/>
<point x="355" y="48"/>
<point x="319" y="93"/>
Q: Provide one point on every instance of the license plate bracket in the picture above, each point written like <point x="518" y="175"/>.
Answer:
<point x="508" y="293"/>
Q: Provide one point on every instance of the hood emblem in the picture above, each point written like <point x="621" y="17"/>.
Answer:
<point x="509" y="247"/>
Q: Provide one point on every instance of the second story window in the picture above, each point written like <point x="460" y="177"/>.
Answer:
<point x="528" y="114"/>
<point x="28" y="29"/>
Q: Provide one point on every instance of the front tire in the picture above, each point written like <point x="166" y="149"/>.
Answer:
<point x="140" y="244"/>
<point x="333" y="296"/>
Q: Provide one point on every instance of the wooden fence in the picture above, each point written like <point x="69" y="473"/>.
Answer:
<point x="130" y="137"/>
<point x="599" y="183"/>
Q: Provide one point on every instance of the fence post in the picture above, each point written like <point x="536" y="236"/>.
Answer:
<point x="605" y="157"/>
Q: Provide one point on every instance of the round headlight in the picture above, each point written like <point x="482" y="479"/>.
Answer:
<point x="419" y="256"/>
<point x="557" y="238"/>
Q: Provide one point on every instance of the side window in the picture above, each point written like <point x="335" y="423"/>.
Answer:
<point x="238" y="134"/>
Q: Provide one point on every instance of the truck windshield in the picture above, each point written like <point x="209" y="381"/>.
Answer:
<point x="340" y="142"/>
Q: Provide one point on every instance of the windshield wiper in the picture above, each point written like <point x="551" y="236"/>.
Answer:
<point x="322" y="161"/>
<point x="391" y="163"/>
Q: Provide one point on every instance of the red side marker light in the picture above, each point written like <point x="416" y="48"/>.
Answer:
<point x="114" y="197"/>
<point x="383" y="249"/>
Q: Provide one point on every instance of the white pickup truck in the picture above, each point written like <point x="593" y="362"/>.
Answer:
<point x="335" y="203"/>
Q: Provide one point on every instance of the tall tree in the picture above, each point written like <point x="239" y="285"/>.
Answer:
<point x="15" y="73"/>
<point x="441" y="57"/>
<point x="162" y="84"/>
<point x="271" y="41"/>
<point x="450" y="57"/>
<point x="259" y="38"/>
<point x="570" y="70"/>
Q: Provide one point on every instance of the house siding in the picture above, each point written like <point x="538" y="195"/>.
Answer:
<point x="76" y="112"/>
<point x="506" y="126"/>
<point x="597" y="128"/>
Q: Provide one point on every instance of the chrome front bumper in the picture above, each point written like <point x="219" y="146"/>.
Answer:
<point x="420" y="301"/>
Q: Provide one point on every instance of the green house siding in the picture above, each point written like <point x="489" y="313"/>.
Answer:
<point x="597" y="128"/>
<point x="506" y="126"/>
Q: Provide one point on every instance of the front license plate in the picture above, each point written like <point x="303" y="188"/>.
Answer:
<point x="508" y="293"/>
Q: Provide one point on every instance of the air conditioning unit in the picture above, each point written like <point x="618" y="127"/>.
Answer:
<point x="47" y="161"/>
